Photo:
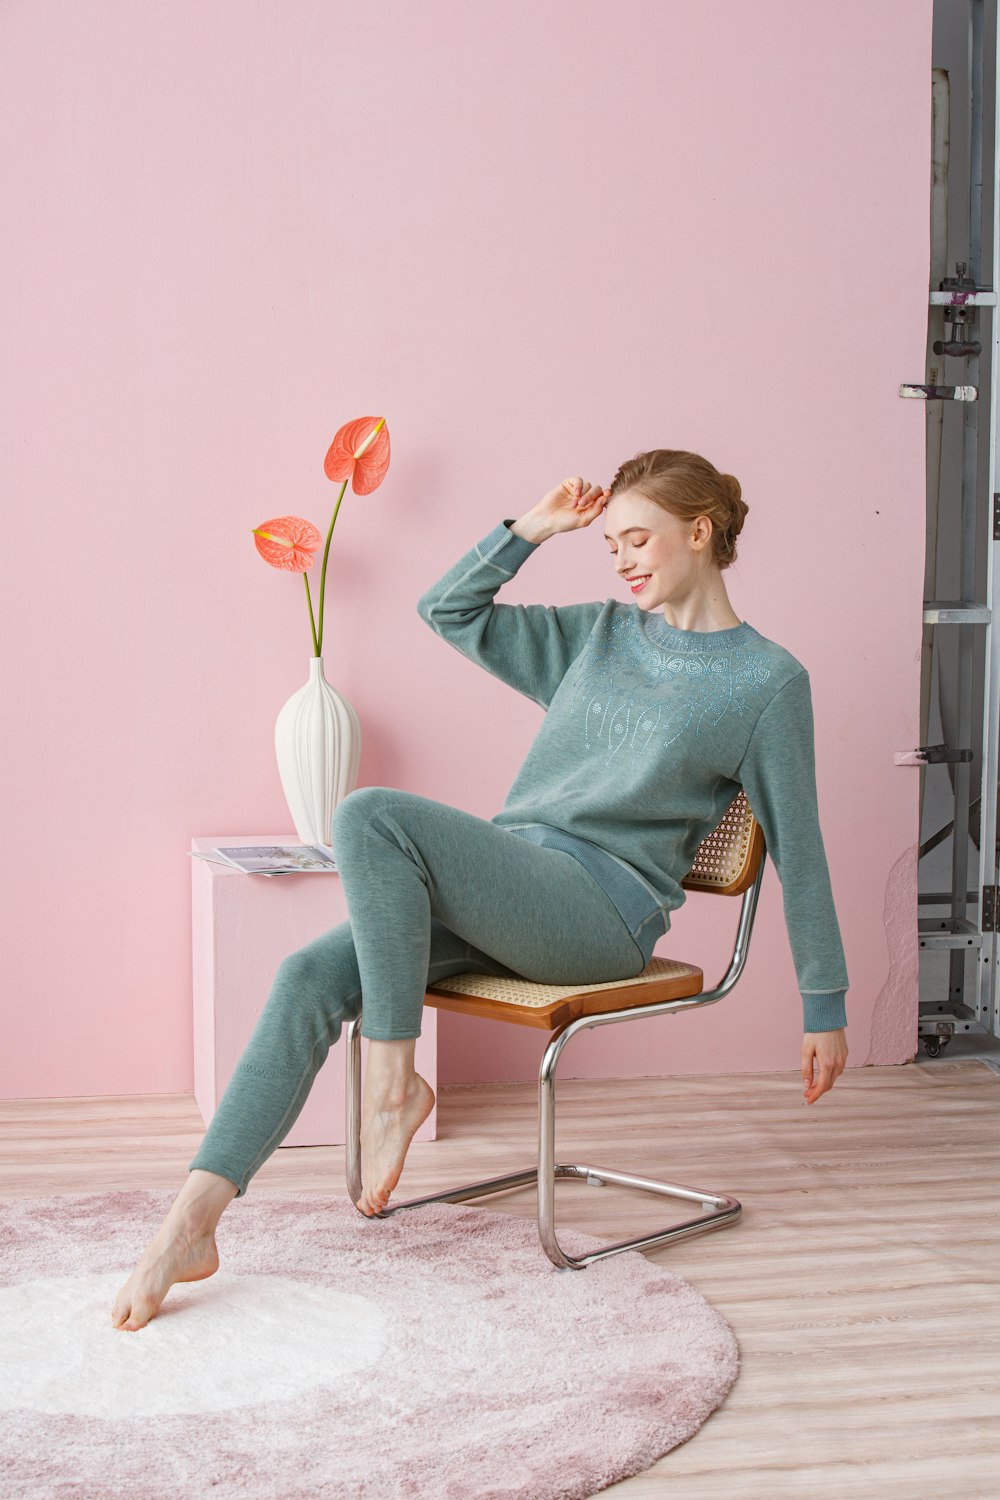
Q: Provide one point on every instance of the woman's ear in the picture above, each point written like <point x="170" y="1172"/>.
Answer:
<point x="702" y="534"/>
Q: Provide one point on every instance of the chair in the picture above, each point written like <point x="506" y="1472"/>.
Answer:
<point x="729" y="862"/>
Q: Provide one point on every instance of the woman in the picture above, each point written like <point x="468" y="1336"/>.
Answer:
<point x="657" y="712"/>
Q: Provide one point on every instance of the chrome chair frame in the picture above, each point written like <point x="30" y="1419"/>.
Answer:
<point x="719" y="1209"/>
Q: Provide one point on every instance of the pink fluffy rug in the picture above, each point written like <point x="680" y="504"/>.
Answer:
<point x="437" y="1354"/>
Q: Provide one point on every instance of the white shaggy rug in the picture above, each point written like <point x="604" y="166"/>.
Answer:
<point x="437" y="1353"/>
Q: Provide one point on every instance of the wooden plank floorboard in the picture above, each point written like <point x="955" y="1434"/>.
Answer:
<point x="861" y="1280"/>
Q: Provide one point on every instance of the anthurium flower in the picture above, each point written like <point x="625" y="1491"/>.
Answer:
<point x="287" y="542"/>
<point x="359" y="452"/>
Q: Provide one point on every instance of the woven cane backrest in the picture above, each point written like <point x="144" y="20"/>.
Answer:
<point x="727" y="860"/>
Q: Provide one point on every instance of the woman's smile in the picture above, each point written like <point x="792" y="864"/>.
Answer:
<point x="638" y="582"/>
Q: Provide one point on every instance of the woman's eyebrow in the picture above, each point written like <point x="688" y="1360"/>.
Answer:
<point x="626" y="531"/>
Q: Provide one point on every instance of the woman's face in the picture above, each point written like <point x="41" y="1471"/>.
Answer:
<point x="649" y="543"/>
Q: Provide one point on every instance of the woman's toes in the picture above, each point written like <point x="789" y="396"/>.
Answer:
<point x="127" y="1315"/>
<point x="372" y="1201"/>
<point x="124" y="1303"/>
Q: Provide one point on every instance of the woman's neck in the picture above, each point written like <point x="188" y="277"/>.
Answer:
<point x="710" y="610"/>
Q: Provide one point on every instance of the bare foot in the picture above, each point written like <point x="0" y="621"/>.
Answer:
<point x="386" y="1133"/>
<point x="172" y="1255"/>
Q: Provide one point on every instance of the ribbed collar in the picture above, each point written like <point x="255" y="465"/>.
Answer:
<point x="694" y="640"/>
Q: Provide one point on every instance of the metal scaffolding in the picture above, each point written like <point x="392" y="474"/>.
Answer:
<point x="960" y="674"/>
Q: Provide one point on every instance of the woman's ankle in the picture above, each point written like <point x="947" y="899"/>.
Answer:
<point x="202" y="1201"/>
<point x="389" y="1072"/>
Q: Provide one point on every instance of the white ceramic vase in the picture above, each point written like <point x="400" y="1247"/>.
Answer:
<point x="317" y="739"/>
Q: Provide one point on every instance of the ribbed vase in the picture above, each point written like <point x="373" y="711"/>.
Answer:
<point x="317" y="739"/>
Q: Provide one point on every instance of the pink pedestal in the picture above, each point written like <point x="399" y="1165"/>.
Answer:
<point x="242" y="927"/>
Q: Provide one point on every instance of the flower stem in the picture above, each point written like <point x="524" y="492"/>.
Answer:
<point x="312" y="622"/>
<point x="322" y="576"/>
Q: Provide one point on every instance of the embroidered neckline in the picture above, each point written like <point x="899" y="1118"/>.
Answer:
<point x="693" y="640"/>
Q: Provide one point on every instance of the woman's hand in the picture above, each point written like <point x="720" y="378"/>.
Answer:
<point x="829" y="1049"/>
<point x="571" y="505"/>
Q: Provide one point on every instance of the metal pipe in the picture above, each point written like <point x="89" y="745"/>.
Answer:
<point x="960" y="770"/>
<point x="987" y="1011"/>
<point x="940" y="158"/>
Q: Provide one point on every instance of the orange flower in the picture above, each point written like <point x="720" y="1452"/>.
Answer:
<point x="287" y="542"/>
<point x="359" y="452"/>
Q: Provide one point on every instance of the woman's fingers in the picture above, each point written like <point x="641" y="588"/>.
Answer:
<point x="583" y="494"/>
<point x="575" y="497"/>
<point x="812" y="1060"/>
<point x="827" y="1052"/>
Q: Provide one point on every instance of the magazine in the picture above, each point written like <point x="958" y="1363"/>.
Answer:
<point x="273" y="859"/>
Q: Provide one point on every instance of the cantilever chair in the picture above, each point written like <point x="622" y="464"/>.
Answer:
<point x="729" y="862"/>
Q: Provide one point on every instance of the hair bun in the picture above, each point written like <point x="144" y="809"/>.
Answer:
<point x="734" y="492"/>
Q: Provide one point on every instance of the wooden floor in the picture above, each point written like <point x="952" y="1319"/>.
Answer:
<point x="861" y="1280"/>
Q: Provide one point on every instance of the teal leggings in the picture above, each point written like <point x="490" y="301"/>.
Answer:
<point x="431" y="891"/>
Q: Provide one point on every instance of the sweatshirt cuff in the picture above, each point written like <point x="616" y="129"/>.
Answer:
<point x="503" y="549"/>
<point x="824" y="1011"/>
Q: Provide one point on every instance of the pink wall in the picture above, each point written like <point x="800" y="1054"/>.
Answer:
<point x="539" y="237"/>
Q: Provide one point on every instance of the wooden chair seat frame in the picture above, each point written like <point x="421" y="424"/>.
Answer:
<point x="718" y="1209"/>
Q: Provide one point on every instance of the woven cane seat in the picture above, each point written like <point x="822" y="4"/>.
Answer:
<point x="551" y="1005"/>
<point x="726" y="864"/>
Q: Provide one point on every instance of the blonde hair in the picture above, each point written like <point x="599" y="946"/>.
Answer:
<point x="687" y="485"/>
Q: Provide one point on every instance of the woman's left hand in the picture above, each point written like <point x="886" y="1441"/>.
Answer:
<point x="829" y="1049"/>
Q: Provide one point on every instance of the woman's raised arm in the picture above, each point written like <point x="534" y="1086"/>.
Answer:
<point x="528" y="646"/>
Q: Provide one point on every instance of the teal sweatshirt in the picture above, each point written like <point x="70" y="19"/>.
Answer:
<point x="648" y="735"/>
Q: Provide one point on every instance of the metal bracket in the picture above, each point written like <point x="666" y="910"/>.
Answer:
<point x="960" y="314"/>
<point x="988" y="908"/>
<point x="915" y="392"/>
<point x="926" y="755"/>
